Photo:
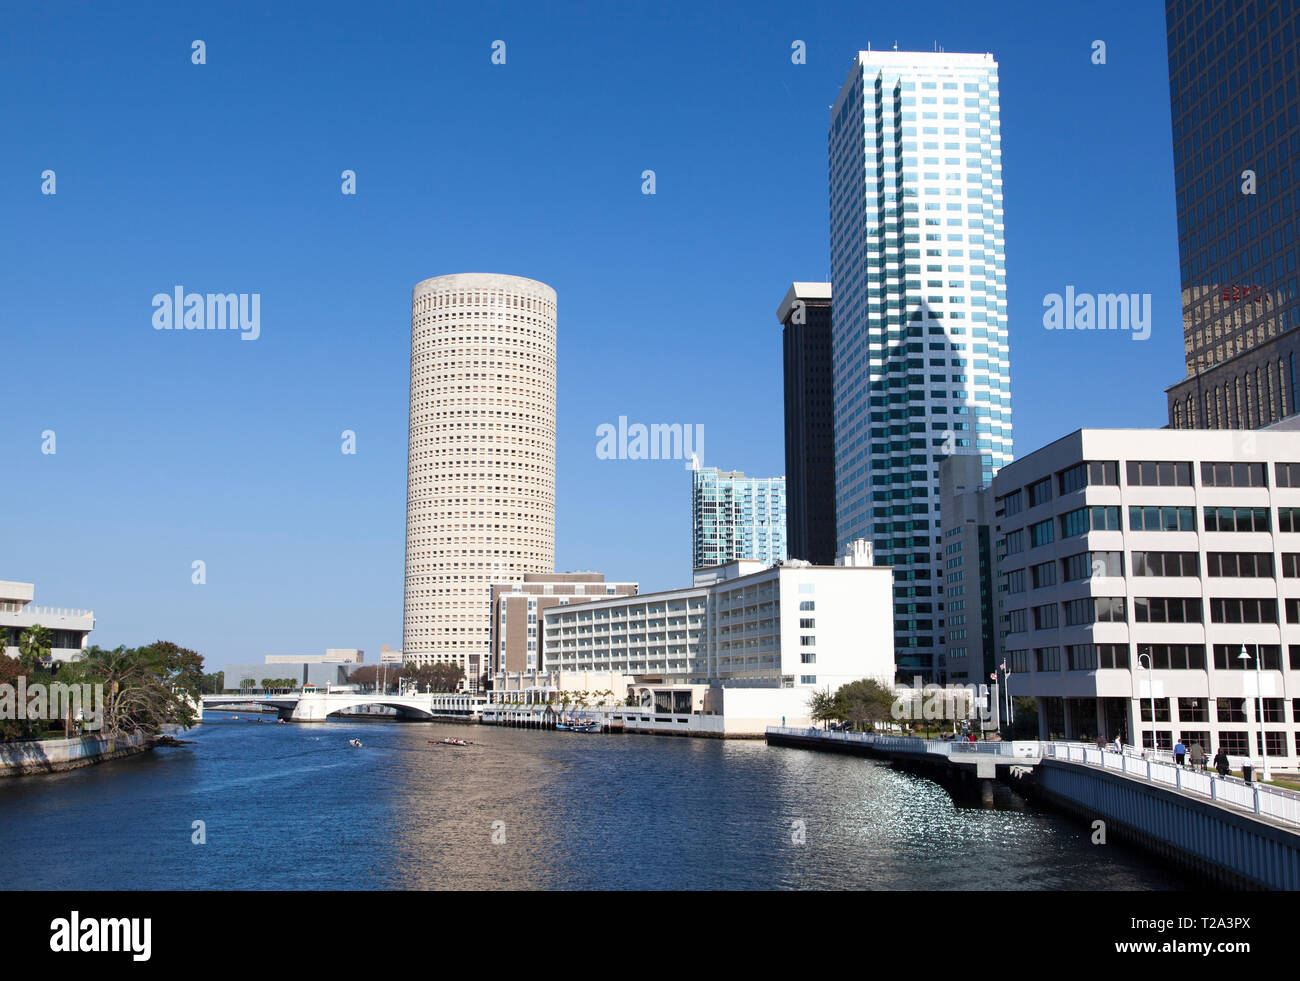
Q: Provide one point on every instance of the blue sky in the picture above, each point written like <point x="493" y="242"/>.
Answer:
<point x="177" y="446"/>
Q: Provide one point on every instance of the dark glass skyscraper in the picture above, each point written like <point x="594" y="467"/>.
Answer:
<point x="1236" y="128"/>
<point x="805" y="313"/>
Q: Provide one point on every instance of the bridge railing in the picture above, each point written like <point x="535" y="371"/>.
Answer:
<point x="1273" y="802"/>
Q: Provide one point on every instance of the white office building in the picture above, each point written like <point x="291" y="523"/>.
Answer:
<point x="919" y="323"/>
<point x="791" y="625"/>
<point x="69" y="628"/>
<point x="1134" y="566"/>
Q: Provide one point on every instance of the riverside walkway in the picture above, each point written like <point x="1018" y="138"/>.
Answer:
<point x="1240" y="834"/>
<point x="1271" y="803"/>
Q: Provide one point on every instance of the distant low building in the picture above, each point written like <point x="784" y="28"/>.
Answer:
<point x="332" y="655"/>
<point x="331" y="668"/>
<point x="69" y="628"/>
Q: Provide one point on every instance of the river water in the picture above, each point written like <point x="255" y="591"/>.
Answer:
<point x="294" y="807"/>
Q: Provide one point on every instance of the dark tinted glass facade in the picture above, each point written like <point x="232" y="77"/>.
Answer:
<point x="1235" y="111"/>
<point x="809" y="431"/>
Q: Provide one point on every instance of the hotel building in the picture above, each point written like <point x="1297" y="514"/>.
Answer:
<point x="1233" y="100"/>
<point x="480" y="505"/>
<point x="1135" y="565"/>
<point x="736" y="517"/>
<point x="786" y="626"/>
<point x="919" y="321"/>
<point x="518" y="609"/>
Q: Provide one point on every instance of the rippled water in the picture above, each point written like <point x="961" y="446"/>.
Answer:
<point x="294" y="807"/>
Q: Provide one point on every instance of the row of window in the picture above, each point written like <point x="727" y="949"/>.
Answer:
<point x="1150" y="473"/>
<point x="1155" y="657"/>
<point x="1152" y="609"/>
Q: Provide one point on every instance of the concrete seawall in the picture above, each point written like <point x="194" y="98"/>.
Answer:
<point x="1230" y="848"/>
<point x="56" y="755"/>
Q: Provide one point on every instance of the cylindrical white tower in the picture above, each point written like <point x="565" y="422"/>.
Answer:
<point x="480" y="481"/>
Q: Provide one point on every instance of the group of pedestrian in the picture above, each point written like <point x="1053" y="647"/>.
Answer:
<point x="1196" y="757"/>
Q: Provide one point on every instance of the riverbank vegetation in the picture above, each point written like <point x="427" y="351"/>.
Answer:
<point x="144" y="688"/>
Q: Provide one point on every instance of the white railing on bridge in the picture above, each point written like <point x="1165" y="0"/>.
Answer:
<point x="1274" y="802"/>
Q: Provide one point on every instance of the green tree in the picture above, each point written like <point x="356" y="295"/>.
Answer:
<point x="445" y="677"/>
<point x="34" y="646"/>
<point x="863" y="702"/>
<point x="145" y="688"/>
<point x="822" y="707"/>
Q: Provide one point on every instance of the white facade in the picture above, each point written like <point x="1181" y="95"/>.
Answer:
<point x="481" y="464"/>
<point x="919" y="324"/>
<point x="1119" y="549"/>
<point x="785" y="626"/>
<point x="70" y="628"/>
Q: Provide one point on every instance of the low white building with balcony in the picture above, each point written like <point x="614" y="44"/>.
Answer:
<point x="69" y="628"/>
<point x="791" y="625"/>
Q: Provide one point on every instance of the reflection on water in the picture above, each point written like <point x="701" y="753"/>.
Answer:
<point x="294" y="807"/>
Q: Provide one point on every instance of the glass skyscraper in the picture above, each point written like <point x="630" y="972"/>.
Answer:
<point x="1235" y="110"/>
<point x="736" y="517"/>
<point x="919" y="322"/>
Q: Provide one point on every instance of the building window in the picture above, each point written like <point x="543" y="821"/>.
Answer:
<point x="1239" y="565"/>
<point x="1159" y="474"/>
<point x="1172" y="609"/>
<point x="1236" y="519"/>
<point x="1044" y="575"/>
<point x="1085" y="565"/>
<point x="1088" y="474"/>
<point x="1193" y="710"/>
<point x="1239" y="610"/>
<point x="1227" y="657"/>
<point x="1288" y="519"/>
<point x="1040" y="534"/>
<point x="1287" y="474"/>
<point x="1166" y="564"/>
<point x="1162" y="519"/>
<point x="1232" y="475"/>
<point x="1089" y="519"/>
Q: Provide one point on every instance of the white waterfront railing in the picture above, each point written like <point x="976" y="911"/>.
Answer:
<point x="1273" y="802"/>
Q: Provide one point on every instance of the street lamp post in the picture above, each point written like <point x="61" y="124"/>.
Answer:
<point x="1151" y="685"/>
<point x="1259" y="708"/>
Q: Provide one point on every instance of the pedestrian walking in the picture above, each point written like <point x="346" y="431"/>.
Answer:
<point x="1180" y="752"/>
<point x="1197" y="755"/>
<point x="1119" y="743"/>
<point x="1221" y="762"/>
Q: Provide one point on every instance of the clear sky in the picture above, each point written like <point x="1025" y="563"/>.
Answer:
<point x="175" y="446"/>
